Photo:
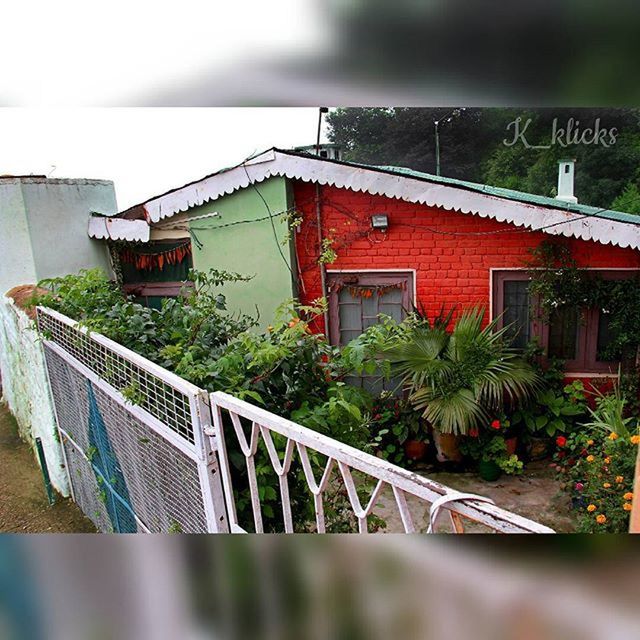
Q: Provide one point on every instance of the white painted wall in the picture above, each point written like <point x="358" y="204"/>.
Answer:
<point x="25" y="387"/>
<point x="17" y="266"/>
<point x="43" y="227"/>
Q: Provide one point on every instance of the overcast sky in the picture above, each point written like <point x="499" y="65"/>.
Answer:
<point x="79" y="53"/>
<point x="145" y="151"/>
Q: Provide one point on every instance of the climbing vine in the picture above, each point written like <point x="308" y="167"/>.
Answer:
<point x="557" y="281"/>
<point x="328" y="254"/>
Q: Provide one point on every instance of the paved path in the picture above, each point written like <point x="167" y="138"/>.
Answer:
<point x="535" y="494"/>
<point x="23" y="501"/>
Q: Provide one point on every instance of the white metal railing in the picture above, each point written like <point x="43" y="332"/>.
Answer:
<point x="346" y="460"/>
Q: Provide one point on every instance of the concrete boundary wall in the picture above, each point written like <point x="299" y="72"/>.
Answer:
<point x="25" y="388"/>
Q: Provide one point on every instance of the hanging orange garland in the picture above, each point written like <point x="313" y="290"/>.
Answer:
<point x="148" y="261"/>
<point x="367" y="291"/>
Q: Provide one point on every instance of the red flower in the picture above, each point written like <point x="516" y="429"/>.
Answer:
<point x="561" y="441"/>
<point x="474" y="433"/>
<point x="495" y="424"/>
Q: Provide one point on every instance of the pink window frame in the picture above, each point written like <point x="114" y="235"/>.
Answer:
<point x="587" y="339"/>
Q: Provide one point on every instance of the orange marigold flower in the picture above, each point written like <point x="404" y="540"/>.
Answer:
<point x="613" y="436"/>
<point x="590" y="458"/>
<point x="627" y="506"/>
<point x="601" y="519"/>
<point x="606" y="485"/>
<point x="591" y="508"/>
<point x="619" y="479"/>
<point x="628" y="496"/>
<point x="589" y="443"/>
<point x="635" y="439"/>
<point x="607" y="460"/>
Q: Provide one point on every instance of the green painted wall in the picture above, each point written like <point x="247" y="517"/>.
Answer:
<point x="248" y="248"/>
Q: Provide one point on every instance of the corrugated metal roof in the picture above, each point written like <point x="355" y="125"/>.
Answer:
<point x="532" y="212"/>
<point x="103" y="228"/>
<point x="512" y="194"/>
<point x="498" y="192"/>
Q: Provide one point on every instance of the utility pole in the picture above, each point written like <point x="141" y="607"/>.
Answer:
<point x="436" y="123"/>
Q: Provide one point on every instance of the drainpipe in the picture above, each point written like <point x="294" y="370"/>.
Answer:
<point x="323" y="271"/>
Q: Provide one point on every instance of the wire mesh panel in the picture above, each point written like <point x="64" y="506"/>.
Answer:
<point x="164" y="395"/>
<point x="136" y="464"/>
<point x="257" y="446"/>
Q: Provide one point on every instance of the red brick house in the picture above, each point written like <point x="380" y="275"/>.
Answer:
<point x="434" y="242"/>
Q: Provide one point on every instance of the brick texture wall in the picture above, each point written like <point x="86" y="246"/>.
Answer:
<point x="450" y="270"/>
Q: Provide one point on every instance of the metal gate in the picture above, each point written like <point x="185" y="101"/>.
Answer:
<point x="132" y="435"/>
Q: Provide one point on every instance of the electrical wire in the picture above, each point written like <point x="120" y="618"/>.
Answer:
<point x="236" y="222"/>
<point x="273" y="226"/>
<point x="594" y="214"/>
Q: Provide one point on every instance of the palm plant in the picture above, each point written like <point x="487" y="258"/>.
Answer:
<point x="458" y="379"/>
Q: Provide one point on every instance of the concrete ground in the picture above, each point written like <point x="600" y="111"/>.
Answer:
<point x="24" y="507"/>
<point x="535" y="494"/>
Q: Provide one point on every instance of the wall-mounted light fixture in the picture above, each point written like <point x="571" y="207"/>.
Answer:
<point x="380" y="221"/>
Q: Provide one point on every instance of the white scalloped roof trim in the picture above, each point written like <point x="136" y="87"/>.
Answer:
<point x="118" y="229"/>
<point x="309" y="169"/>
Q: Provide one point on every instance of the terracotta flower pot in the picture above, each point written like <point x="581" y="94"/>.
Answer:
<point x="447" y="449"/>
<point x="488" y="470"/>
<point x="415" y="449"/>
<point x="511" y="443"/>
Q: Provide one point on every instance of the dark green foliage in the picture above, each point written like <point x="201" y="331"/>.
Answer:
<point x="628" y="200"/>
<point x="472" y="148"/>
<point x="405" y="137"/>
<point x="554" y="410"/>
<point x="394" y="421"/>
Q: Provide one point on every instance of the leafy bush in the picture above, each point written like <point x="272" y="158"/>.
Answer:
<point x="192" y="327"/>
<point x="552" y="411"/>
<point x="491" y="447"/>
<point x="392" y="422"/>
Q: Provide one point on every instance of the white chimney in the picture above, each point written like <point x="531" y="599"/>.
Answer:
<point x="566" y="170"/>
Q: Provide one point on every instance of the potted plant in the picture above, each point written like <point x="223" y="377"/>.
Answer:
<point x="415" y="450"/>
<point x="397" y="433"/>
<point x="458" y="379"/>
<point x="551" y="413"/>
<point x="490" y="453"/>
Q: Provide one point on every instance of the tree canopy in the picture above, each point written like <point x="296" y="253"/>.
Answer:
<point x="482" y="145"/>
